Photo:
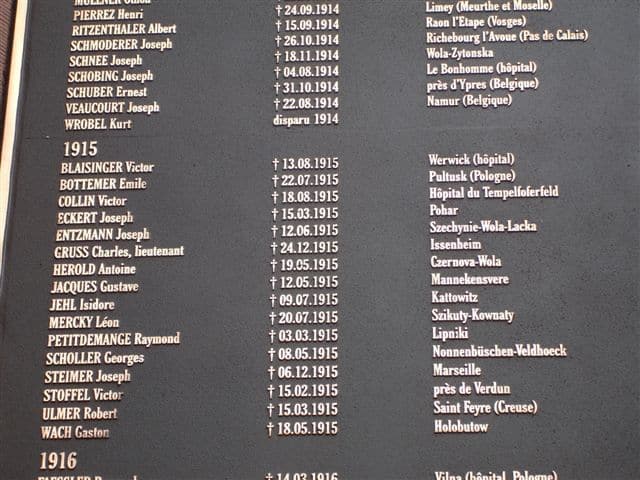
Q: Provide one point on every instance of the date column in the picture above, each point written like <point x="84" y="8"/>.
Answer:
<point x="303" y="322"/>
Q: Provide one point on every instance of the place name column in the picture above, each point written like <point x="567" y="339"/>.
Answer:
<point x="466" y="278"/>
<point x="469" y="50"/>
<point x="475" y="200"/>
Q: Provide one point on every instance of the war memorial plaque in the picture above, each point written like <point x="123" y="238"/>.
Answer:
<point x="321" y="240"/>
